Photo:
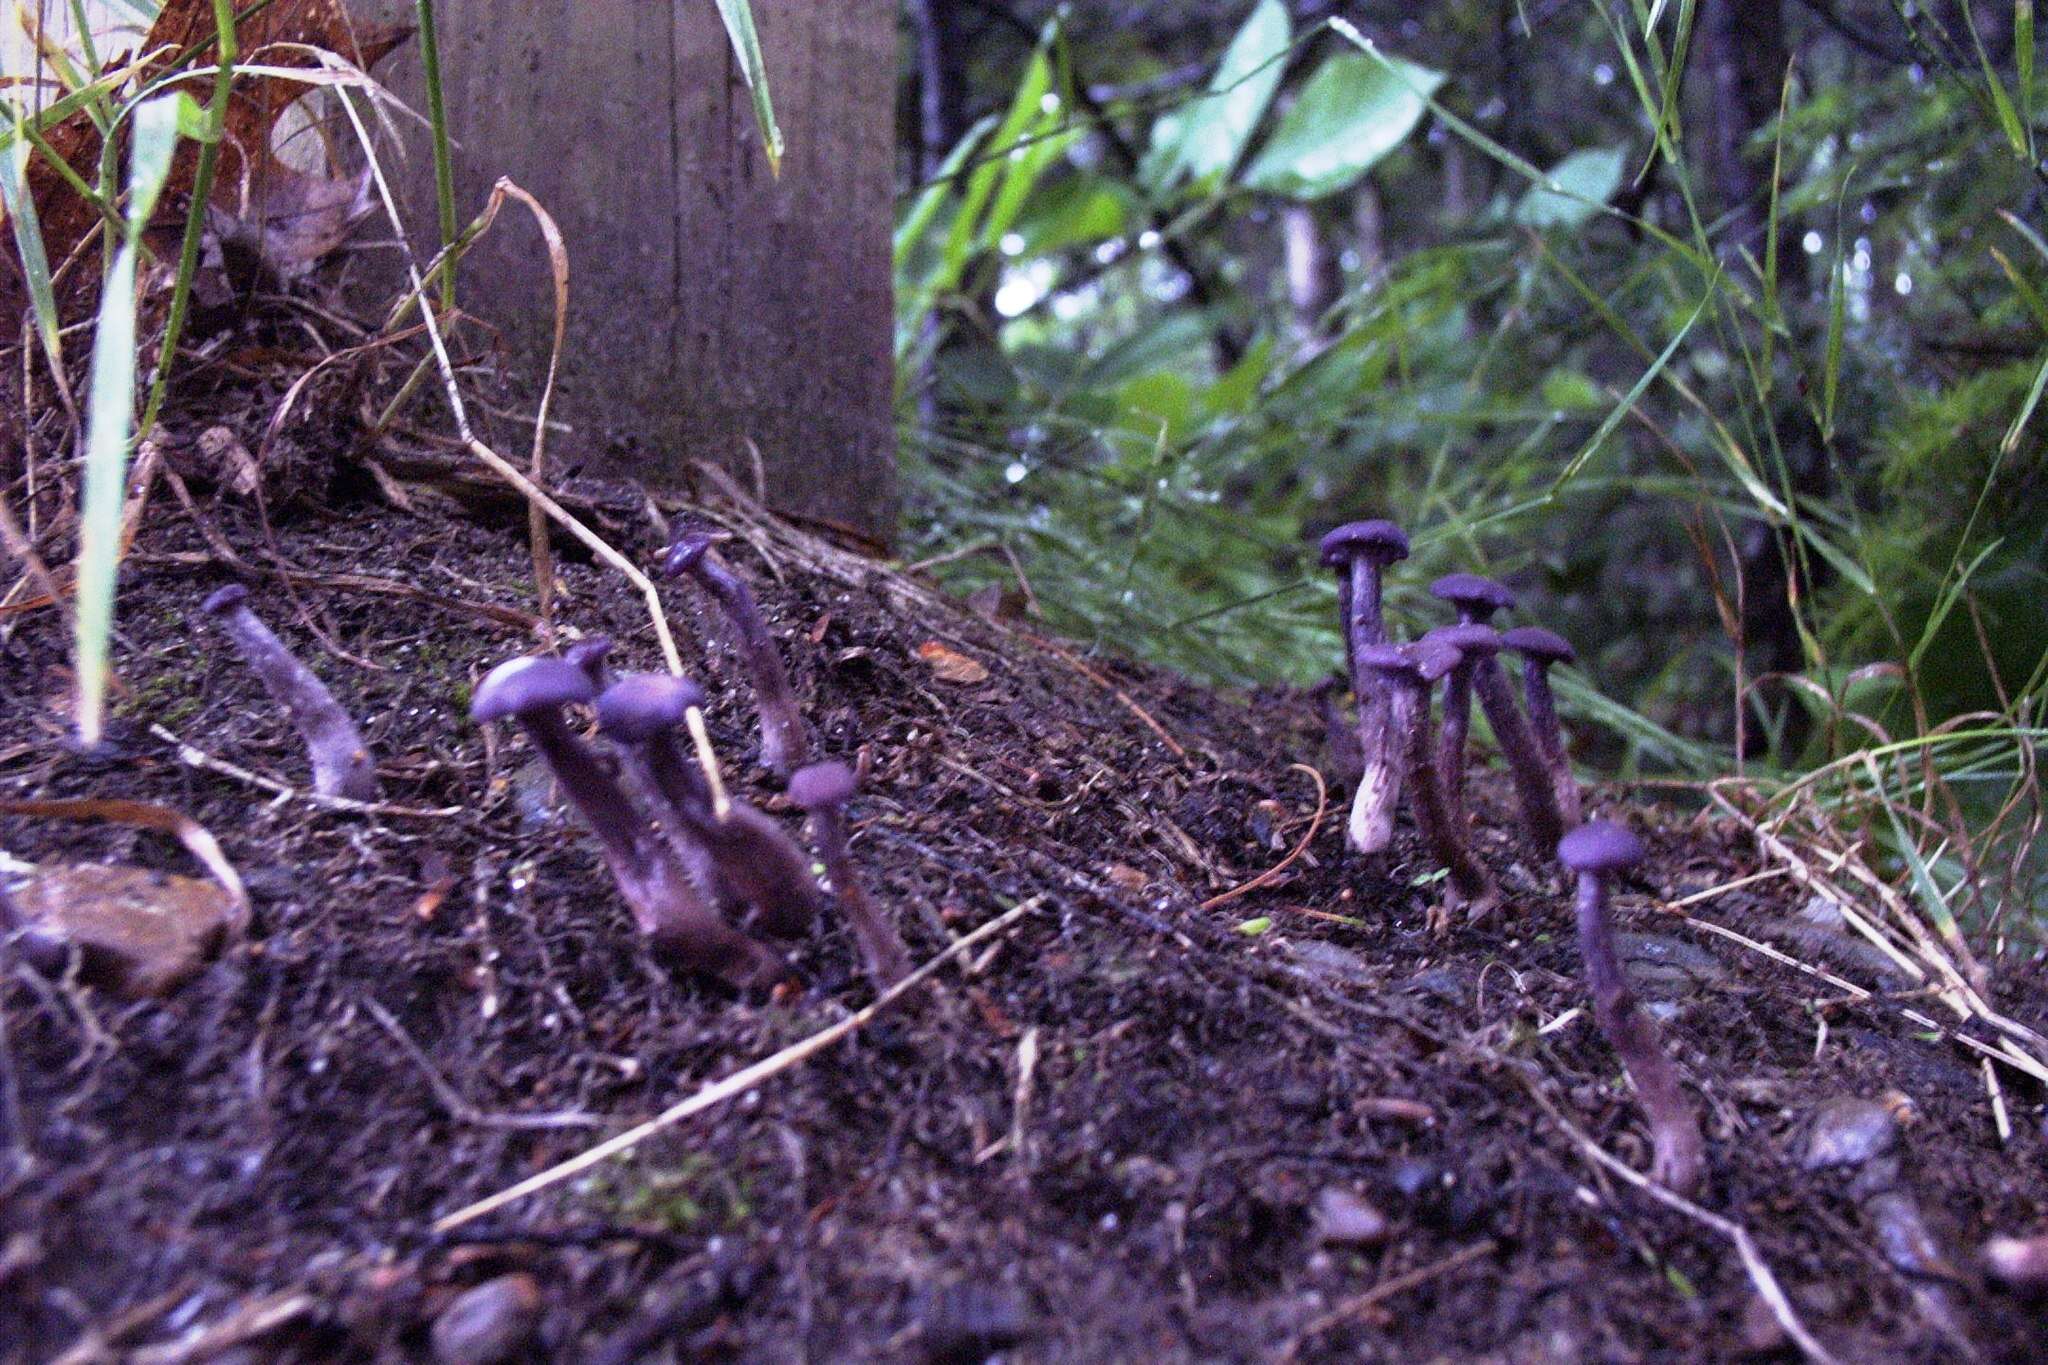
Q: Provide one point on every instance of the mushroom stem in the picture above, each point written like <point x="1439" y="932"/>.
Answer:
<point x="822" y="790"/>
<point x="1679" y="1150"/>
<point x="1549" y="735"/>
<point x="1451" y="736"/>
<point x="1468" y="876"/>
<point x="341" y="761"/>
<point x="1526" y="766"/>
<point x="783" y="740"/>
<point x="666" y="905"/>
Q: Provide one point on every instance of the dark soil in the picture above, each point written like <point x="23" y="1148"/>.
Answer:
<point x="251" y="1168"/>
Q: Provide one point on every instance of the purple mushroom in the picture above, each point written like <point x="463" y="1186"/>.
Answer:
<point x="1478" y="645"/>
<point x="589" y="655"/>
<point x="1596" y="852"/>
<point x="1540" y="649"/>
<point x="783" y="741"/>
<point x="341" y="761"/>
<point x="744" y="853"/>
<point x="666" y="905"/>
<point x="1406" y="675"/>
<point x="822" y="790"/>
<point x="1360" y="551"/>
<point x="1476" y="600"/>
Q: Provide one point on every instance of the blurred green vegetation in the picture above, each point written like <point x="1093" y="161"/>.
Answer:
<point x="1718" y="329"/>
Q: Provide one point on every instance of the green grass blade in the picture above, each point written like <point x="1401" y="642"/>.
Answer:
<point x="444" y="166"/>
<point x="110" y="415"/>
<point x="746" y="46"/>
<point x="28" y="244"/>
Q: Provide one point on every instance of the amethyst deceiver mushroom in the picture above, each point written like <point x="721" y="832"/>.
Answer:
<point x="589" y="655"/>
<point x="341" y="761"/>
<point x="1540" y="649"/>
<point x="783" y="740"/>
<point x="1476" y="599"/>
<point x="822" y="790"/>
<point x="666" y="905"/>
<point x="1405" y="676"/>
<point x="1596" y="852"/>
<point x="746" y="853"/>
<point x="1478" y="647"/>
<point x="1360" y="551"/>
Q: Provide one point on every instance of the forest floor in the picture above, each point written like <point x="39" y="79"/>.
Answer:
<point x="1141" y="1121"/>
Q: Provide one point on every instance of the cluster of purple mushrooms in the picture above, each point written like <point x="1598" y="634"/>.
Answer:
<point x="708" y="877"/>
<point x="1402" y="747"/>
<point x="705" y="876"/>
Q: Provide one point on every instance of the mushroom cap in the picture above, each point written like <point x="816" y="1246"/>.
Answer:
<point x="1434" y="658"/>
<point x="225" y="599"/>
<point x="1473" y="639"/>
<point x="588" y="653"/>
<point x="1544" y="646"/>
<point x="1387" y="659"/>
<point x="1380" y="540"/>
<point x="821" y="784"/>
<point x="1471" y="593"/>
<point x="532" y="683"/>
<point x="685" y="554"/>
<point x="640" y="706"/>
<point x="1601" y="846"/>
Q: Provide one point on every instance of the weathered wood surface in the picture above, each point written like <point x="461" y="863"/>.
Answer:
<point x="710" y="303"/>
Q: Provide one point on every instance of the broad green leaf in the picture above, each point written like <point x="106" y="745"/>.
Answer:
<point x="110" y="414"/>
<point x="1574" y="191"/>
<point x="1214" y="128"/>
<point x="746" y="46"/>
<point x="1075" y="210"/>
<point x="1567" y="390"/>
<point x="1351" y="113"/>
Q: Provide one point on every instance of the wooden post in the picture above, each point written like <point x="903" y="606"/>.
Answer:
<point x="710" y="303"/>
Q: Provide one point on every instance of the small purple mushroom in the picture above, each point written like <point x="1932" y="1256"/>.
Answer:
<point x="1478" y="645"/>
<point x="1596" y="852"/>
<point x="1540" y="649"/>
<point x="744" y="854"/>
<point x="783" y="741"/>
<point x="666" y="905"/>
<point x="1476" y="600"/>
<point x="1405" y="675"/>
<point x="341" y="761"/>
<point x="1360" y="551"/>
<point x="822" y="790"/>
<point x="589" y="655"/>
<point x="2018" y="1261"/>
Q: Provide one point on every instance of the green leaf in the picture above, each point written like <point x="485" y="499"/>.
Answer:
<point x="1075" y="210"/>
<point x="1213" y="130"/>
<point x="746" y="46"/>
<point x="1567" y="390"/>
<point x="1351" y="113"/>
<point x="110" y="416"/>
<point x="28" y="243"/>
<point x="1574" y="191"/>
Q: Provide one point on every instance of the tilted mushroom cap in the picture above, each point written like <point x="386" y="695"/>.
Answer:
<point x="225" y="599"/>
<point x="1381" y="540"/>
<point x="1544" y="646"/>
<point x="1391" y="659"/>
<point x="1601" y="846"/>
<point x="528" y="684"/>
<point x="1475" y="595"/>
<point x="1466" y="639"/>
<point x="821" y="784"/>
<point x="1434" y="658"/>
<point x="588" y="654"/>
<point x="684" y="555"/>
<point x="642" y="705"/>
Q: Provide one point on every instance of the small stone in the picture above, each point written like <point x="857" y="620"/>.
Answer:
<point x="488" y="1324"/>
<point x="2019" y="1261"/>
<point x="136" y="932"/>
<point x="1344" y="1219"/>
<point x="1849" y="1132"/>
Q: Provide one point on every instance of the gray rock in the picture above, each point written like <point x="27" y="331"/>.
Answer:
<point x="1849" y="1132"/>
<point x="488" y="1324"/>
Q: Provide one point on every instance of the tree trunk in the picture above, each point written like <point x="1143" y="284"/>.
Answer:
<point x="714" y="309"/>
